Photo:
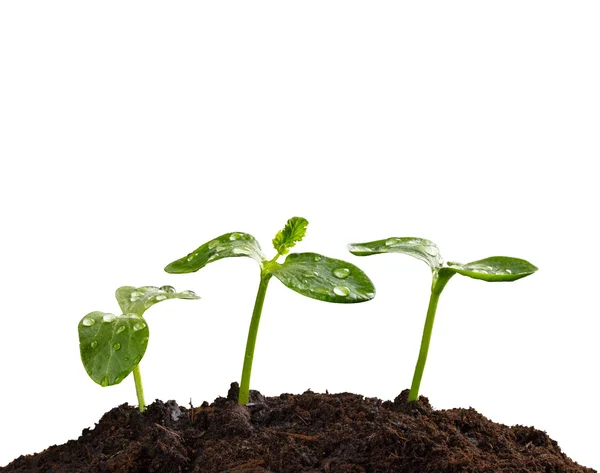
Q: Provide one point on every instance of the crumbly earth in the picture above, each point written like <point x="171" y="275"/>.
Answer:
<point x="331" y="433"/>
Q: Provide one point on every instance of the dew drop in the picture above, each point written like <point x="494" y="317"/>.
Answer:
<point x="392" y="241"/>
<point x="370" y="295"/>
<point x="431" y="250"/>
<point x="137" y="360"/>
<point x="190" y="257"/>
<point x="121" y="329"/>
<point x="508" y="271"/>
<point x="213" y="244"/>
<point x="317" y="258"/>
<point x="108" y="318"/>
<point x="139" y="326"/>
<point x="341" y="273"/>
<point x="160" y="297"/>
<point x="117" y="346"/>
<point x="222" y="248"/>
<point x="135" y="296"/>
<point x="310" y="275"/>
<point x="188" y="293"/>
<point x="169" y="289"/>
<point x="94" y="344"/>
<point x="104" y="381"/>
<point x="341" y="290"/>
<point x="213" y="257"/>
<point x="118" y="379"/>
<point x="235" y="236"/>
<point x="88" y="322"/>
<point x="239" y="251"/>
<point x="320" y="290"/>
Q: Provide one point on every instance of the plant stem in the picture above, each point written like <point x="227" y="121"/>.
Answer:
<point x="252" y="332"/>
<point x="139" y="390"/>
<point x="439" y="283"/>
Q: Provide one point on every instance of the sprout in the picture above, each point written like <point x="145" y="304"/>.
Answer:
<point x="310" y="274"/>
<point x="492" y="269"/>
<point x="112" y="346"/>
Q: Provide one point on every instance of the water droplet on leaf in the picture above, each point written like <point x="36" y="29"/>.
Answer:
<point x="392" y="241"/>
<point x="317" y="258"/>
<point x="341" y="290"/>
<point x="235" y="236"/>
<point x="88" y="322"/>
<point x="341" y="273"/>
<point x="213" y="244"/>
<point x="431" y="250"/>
<point x="108" y="318"/>
<point x="160" y="297"/>
<point x="104" y="381"/>
<point x="121" y="329"/>
<point x="117" y="346"/>
<point x="94" y="344"/>
<point x="169" y="289"/>
<point x="320" y="290"/>
<point x="188" y="293"/>
<point x="139" y="326"/>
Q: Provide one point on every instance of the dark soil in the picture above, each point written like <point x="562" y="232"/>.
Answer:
<point x="332" y="433"/>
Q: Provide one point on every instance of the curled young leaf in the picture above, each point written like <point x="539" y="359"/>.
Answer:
<point x="138" y="300"/>
<point x="292" y="233"/>
<point x="494" y="269"/>
<point x="226" y="246"/>
<point x="325" y="279"/>
<point x="420" y="248"/>
<point x="111" y="346"/>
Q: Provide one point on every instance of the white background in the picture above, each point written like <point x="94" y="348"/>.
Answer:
<point x="133" y="132"/>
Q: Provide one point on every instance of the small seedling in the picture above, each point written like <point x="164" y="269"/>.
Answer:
<point x="492" y="269"/>
<point x="310" y="274"/>
<point x="112" y="346"/>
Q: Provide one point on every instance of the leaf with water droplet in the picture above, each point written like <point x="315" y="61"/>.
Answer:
<point x="229" y="245"/>
<point x="493" y="269"/>
<point x="106" y="347"/>
<point x="292" y="233"/>
<point x="353" y="285"/>
<point x="147" y="296"/>
<point x="419" y="248"/>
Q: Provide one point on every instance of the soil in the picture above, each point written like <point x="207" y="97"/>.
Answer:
<point x="332" y="433"/>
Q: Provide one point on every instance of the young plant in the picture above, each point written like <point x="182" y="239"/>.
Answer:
<point x="310" y="274"/>
<point x="492" y="269"/>
<point x="112" y="346"/>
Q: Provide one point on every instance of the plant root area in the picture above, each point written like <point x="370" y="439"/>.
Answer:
<point x="332" y="433"/>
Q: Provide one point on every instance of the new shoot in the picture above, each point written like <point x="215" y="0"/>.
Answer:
<point x="492" y="269"/>
<point x="112" y="346"/>
<point x="310" y="274"/>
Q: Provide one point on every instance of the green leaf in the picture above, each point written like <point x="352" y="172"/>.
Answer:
<point x="325" y="279"/>
<point x="419" y="248"/>
<point x="228" y="245"/>
<point x="494" y="269"/>
<point x="112" y="346"/>
<point x="138" y="300"/>
<point x="292" y="233"/>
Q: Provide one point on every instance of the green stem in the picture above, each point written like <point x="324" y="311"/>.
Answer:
<point x="252" y="332"/>
<point x="439" y="283"/>
<point x="139" y="390"/>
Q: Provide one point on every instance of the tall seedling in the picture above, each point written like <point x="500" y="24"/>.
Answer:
<point x="492" y="269"/>
<point x="310" y="274"/>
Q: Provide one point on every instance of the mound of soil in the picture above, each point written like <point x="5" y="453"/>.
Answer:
<point x="332" y="433"/>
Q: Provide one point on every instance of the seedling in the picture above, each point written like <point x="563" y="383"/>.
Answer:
<point x="112" y="346"/>
<point x="310" y="274"/>
<point x="492" y="269"/>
